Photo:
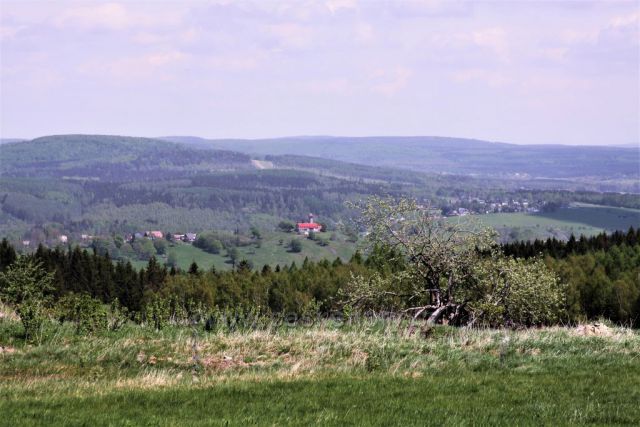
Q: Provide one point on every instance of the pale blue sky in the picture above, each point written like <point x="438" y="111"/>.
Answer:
<point x="522" y="72"/>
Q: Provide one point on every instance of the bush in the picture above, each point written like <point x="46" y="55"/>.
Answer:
<point x="516" y="292"/>
<point x="161" y="246"/>
<point x="295" y="246"/>
<point x="88" y="314"/>
<point x="208" y="242"/>
<point x="32" y="318"/>
<point x="157" y="312"/>
<point x="25" y="285"/>
<point x="172" y="259"/>
<point x="144" y="249"/>
<point x="286" y="226"/>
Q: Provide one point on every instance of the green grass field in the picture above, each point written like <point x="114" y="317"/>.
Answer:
<point x="578" y="219"/>
<point x="369" y="373"/>
<point x="270" y="252"/>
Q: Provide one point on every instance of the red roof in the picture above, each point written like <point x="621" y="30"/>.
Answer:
<point x="309" y="225"/>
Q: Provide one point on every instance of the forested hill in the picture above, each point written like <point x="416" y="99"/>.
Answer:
<point x="113" y="158"/>
<point x="447" y="155"/>
<point x="105" y="185"/>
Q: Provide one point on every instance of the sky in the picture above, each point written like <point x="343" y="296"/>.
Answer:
<point x="511" y="71"/>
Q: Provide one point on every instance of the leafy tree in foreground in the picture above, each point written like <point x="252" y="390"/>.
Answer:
<point x="25" y="285"/>
<point x="454" y="271"/>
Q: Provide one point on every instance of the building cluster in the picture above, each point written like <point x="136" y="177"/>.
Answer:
<point x="477" y="206"/>
<point x="156" y="234"/>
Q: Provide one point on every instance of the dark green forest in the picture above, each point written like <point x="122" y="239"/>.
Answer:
<point x="600" y="273"/>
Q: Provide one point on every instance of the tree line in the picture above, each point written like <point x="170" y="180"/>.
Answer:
<point x="580" y="246"/>
<point x="599" y="273"/>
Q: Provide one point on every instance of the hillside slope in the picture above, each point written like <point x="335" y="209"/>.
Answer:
<point x="113" y="158"/>
<point x="447" y="155"/>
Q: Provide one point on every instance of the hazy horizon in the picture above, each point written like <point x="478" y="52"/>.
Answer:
<point x="621" y="145"/>
<point x="522" y="73"/>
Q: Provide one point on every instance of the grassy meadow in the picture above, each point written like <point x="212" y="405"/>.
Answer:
<point x="270" y="251"/>
<point x="362" y="373"/>
<point x="577" y="219"/>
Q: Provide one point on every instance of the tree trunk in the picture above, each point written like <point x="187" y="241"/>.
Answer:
<point x="435" y="316"/>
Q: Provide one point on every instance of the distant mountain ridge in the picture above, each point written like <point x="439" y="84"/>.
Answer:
<point x="446" y="155"/>
<point x="10" y="140"/>
<point x="121" y="157"/>
<point x="112" y="157"/>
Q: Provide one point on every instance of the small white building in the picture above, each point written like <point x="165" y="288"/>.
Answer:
<point x="63" y="238"/>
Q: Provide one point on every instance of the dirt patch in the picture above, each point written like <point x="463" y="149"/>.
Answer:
<point x="225" y="363"/>
<point x="262" y="164"/>
<point x="7" y="350"/>
<point x="358" y="357"/>
<point x="594" y="330"/>
<point x="7" y="314"/>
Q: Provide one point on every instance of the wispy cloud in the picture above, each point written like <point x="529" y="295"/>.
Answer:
<point x="391" y="81"/>
<point x="285" y="63"/>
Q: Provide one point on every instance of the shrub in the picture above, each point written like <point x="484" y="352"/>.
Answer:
<point x="286" y="226"/>
<point x="157" y="312"/>
<point x="25" y="285"/>
<point x="295" y="246"/>
<point x="517" y="292"/>
<point x="88" y="314"/>
<point x="161" y="246"/>
<point x="208" y="242"/>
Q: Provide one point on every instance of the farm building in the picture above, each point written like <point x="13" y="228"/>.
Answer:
<point x="308" y="227"/>
<point x="155" y="234"/>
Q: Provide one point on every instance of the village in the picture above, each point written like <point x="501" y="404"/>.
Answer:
<point x="144" y="244"/>
<point x="454" y="206"/>
<point x="462" y="206"/>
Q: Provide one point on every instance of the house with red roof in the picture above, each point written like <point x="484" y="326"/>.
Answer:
<point x="155" y="234"/>
<point x="308" y="227"/>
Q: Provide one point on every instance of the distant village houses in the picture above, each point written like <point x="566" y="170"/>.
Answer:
<point x="154" y="235"/>
<point x="187" y="237"/>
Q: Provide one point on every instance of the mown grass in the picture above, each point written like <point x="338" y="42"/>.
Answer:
<point x="365" y="373"/>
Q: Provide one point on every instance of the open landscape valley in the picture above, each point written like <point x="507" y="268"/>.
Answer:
<point x="319" y="213"/>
